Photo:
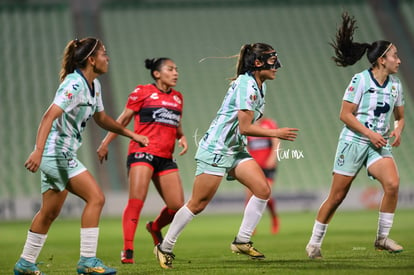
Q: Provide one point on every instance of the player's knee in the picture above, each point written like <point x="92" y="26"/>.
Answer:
<point x="391" y="187"/>
<point x="97" y="200"/>
<point x="263" y="192"/>
<point x="47" y="217"/>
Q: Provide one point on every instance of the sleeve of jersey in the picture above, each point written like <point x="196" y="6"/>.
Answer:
<point x="98" y="94"/>
<point x="69" y="94"/>
<point x="136" y="99"/>
<point x="246" y="96"/>
<point x="355" y="89"/>
<point x="400" y="97"/>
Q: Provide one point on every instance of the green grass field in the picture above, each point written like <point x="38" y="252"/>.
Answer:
<point x="203" y="248"/>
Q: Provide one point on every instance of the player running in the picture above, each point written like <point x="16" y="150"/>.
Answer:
<point x="223" y="150"/>
<point x="370" y="99"/>
<point x="157" y="111"/>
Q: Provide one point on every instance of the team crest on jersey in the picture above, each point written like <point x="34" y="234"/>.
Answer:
<point x="154" y="96"/>
<point x="177" y="99"/>
<point x="253" y="97"/>
<point x="351" y="88"/>
<point x="394" y="92"/>
<point x="68" y="94"/>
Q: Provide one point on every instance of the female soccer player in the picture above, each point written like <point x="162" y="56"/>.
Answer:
<point x="78" y="98"/>
<point x="157" y="110"/>
<point x="263" y="150"/>
<point x="370" y="99"/>
<point x="223" y="150"/>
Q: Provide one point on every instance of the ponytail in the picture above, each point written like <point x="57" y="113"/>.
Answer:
<point x="348" y="52"/>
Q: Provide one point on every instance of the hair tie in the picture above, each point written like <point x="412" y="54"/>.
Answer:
<point x="89" y="54"/>
<point x="76" y="42"/>
<point x="386" y="50"/>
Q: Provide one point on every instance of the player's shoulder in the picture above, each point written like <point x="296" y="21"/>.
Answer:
<point x="142" y="90"/>
<point x="73" y="82"/>
<point x="174" y="92"/>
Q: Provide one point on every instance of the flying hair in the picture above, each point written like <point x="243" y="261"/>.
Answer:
<point x="218" y="57"/>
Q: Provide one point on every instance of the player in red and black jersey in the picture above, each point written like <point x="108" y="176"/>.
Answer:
<point x="263" y="150"/>
<point x="157" y="110"/>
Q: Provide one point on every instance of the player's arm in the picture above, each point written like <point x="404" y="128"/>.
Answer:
<point x="108" y="123"/>
<point x="182" y="140"/>
<point x="399" y="124"/>
<point x="271" y="161"/>
<point x="247" y="128"/>
<point x="124" y="119"/>
<point x="347" y="116"/>
<point x="35" y="158"/>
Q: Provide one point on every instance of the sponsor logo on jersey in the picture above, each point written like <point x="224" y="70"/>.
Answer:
<point x="163" y="115"/>
<point x="154" y="96"/>
<point x="166" y="103"/>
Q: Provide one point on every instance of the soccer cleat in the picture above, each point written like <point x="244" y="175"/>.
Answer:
<point x="156" y="235"/>
<point x="388" y="245"/>
<point x="23" y="267"/>
<point x="246" y="249"/>
<point x="164" y="258"/>
<point x="314" y="251"/>
<point x="127" y="256"/>
<point x="93" y="266"/>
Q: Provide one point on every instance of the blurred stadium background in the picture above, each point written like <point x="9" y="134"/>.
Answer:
<point x="306" y="94"/>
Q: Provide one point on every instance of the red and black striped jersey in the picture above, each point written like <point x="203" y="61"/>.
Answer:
<point x="157" y="116"/>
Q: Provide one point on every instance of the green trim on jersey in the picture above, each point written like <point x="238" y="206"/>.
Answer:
<point x="223" y="136"/>
<point x="79" y="104"/>
<point x="375" y="104"/>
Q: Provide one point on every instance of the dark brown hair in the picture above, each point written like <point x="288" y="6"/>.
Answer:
<point x="76" y="54"/>
<point x="248" y="54"/>
<point x="155" y="64"/>
<point x="348" y="52"/>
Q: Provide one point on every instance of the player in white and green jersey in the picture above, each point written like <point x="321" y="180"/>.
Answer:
<point x="370" y="100"/>
<point x="79" y="103"/>
<point x="223" y="136"/>
<point x="58" y="138"/>
<point x="374" y="102"/>
<point x="223" y="150"/>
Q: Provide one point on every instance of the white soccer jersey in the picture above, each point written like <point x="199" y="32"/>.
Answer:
<point x="375" y="104"/>
<point x="223" y="136"/>
<point x="79" y="104"/>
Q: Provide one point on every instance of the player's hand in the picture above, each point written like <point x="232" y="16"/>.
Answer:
<point x="182" y="142"/>
<point x="397" y="138"/>
<point x="33" y="161"/>
<point x="287" y="133"/>
<point x="142" y="140"/>
<point x="102" y="152"/>
<point x="377" y="139"/>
